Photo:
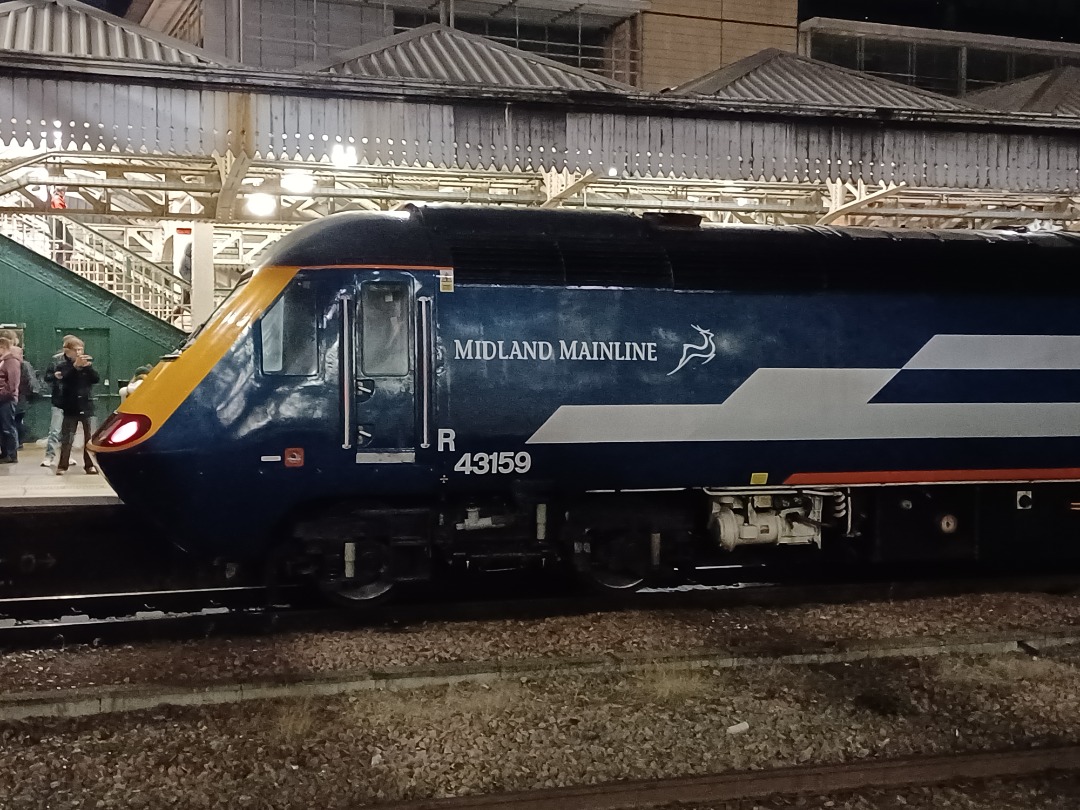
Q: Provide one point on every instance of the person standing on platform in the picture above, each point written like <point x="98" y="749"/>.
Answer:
<point x="26" y="384"/>
<point x="76" y="376"/>
<point x="13" y="336"/>
<point x="10" y="376"/>
<point x="27" y="394"/>
<point x="57" y="420"/>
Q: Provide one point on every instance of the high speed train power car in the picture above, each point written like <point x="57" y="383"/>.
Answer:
<point x="390" y="395"/>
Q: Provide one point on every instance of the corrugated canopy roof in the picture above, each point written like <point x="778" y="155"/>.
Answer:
<point x="69" y="28"/>
<point x="784" y="78"/>
<point x="435" y="52"/>
<point x="1056" y="92"/>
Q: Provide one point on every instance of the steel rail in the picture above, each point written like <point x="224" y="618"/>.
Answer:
<point x="111" y="604"/>
<point x="743" y="785"/>
<point x="47" y="621"/>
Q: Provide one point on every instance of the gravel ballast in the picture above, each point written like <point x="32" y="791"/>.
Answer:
<point x="300" y="656"/>
<point x="537" y="732"/>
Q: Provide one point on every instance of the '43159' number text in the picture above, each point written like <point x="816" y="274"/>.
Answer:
<point x="493" y="463"/>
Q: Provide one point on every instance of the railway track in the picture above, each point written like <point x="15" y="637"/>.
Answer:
<point x="814" y="780"/>
<point x="44" y="621"/>
<point x="50" y="621"/>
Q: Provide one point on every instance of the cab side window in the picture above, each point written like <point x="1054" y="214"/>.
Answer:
<point x="384" y="350"/>
<point x="289" y="336"/>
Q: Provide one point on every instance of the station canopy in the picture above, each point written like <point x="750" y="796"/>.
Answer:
<point x="438" y="53"/>
<point x="68" y="28"/>
<point x="1056" y="92"/>
<point x="120" y="127"/>
<point x="775" y="76"/>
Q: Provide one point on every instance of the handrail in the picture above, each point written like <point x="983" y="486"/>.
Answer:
<point x="103" y="261"/>
<point x="348" y="372"/>
<point x="157" y="269"/>
<point x="425" y="372"/>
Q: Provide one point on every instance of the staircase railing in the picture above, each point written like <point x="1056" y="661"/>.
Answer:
<point x="108" y="264"/>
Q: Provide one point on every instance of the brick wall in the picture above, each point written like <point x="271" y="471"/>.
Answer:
<point x="684" y="39"/>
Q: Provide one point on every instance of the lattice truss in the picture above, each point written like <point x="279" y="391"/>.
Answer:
<point x="125" y="197"/>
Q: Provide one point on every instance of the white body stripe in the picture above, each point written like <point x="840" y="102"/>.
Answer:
<point x="999" y="352"/>
<point x="803" y="404"/>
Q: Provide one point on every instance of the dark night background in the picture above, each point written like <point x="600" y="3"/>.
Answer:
<point x="118" y="7"/>
<point x="1037" y="19"/>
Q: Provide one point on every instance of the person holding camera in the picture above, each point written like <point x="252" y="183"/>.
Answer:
<point x="75" y="377"/>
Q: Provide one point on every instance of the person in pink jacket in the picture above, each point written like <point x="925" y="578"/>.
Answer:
<point x="10" y="376"/>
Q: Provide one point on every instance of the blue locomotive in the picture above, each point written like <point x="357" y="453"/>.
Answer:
<point x="388" y="395"/>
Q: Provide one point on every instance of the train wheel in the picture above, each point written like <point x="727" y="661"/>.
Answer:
<point x="364" y="575"/>
<point x="612" y="561"/>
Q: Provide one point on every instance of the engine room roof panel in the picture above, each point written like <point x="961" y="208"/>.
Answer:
<point x="527" y="247"/>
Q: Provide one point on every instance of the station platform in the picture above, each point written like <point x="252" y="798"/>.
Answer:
<point x="29" y="485"/>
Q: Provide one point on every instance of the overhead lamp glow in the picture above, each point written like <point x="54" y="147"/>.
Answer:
<point x="343" y="156"/>
<point x="297" y="182"/>
<point x="261" y="205"/>
<point x="612" y="172"/>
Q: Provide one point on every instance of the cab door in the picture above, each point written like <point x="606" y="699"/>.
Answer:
<point x="383" y="370"/>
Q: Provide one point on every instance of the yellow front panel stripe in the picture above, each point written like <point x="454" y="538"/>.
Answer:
<point x="171" y="382"/>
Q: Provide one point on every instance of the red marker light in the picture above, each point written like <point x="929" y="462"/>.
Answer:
<point x="122" y="428"/>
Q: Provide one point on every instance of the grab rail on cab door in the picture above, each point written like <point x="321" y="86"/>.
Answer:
<point x="348" y="371"/>
<point x="425" y="372"/>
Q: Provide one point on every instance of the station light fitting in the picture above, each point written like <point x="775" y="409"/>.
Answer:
<point x="261" y="205"/>
<point x="343" y="157"/>
<point x="298" y="182"/>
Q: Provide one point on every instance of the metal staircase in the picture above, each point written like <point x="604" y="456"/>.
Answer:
<point x="106" y="263"/>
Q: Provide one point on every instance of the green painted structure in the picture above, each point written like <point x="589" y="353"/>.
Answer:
<point x="46" y="301"/>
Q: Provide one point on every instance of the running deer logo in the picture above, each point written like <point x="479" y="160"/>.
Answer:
<point x="706" y="350"/>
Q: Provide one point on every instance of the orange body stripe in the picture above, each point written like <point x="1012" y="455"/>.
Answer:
<point x="931" y="476"/>
<point x="377" y="267"/>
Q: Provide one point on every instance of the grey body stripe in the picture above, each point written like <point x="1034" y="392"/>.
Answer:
<point x="804" y="404"/>
<point x="999" y="352"/>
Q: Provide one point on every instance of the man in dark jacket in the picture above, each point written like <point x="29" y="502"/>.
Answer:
<point x="10" y="376"/>
<point x="76" y="377"/>
<point x="56" y="421"/>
